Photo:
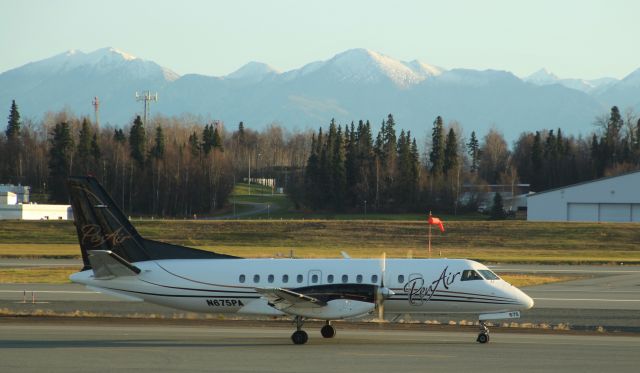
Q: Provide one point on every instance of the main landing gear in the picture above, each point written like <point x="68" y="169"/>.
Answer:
<point x="328" y="331"/>
<point x="301" y="337"/>
<point x="483" y="337"/>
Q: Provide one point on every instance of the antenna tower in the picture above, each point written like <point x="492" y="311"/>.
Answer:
<point x="96" y="109"/>
<point x="147" y="97"/>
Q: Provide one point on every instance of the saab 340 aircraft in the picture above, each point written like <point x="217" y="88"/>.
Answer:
<point x="119" y="262"/>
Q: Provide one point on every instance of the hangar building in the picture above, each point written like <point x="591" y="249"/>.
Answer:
<point x="610" y="199"/>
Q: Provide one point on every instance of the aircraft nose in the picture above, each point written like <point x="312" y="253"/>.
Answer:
<point x="526" y="301"/>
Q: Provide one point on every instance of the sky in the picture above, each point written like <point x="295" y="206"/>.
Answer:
<point x="572" y="38"/>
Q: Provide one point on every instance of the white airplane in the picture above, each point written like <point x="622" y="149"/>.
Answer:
<point x="119" y="262"/>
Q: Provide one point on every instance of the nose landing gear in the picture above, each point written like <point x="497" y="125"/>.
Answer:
<point x="483" y="337"/>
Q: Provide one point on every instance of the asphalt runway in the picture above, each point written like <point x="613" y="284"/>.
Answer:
<point x="101" y="347"/>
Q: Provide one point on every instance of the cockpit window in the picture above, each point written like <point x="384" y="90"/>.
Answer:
<point x="489" y="275"/>
<point x="469" y="275"/>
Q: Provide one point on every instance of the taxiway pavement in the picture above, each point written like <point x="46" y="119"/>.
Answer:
<point x="109" y="347"/>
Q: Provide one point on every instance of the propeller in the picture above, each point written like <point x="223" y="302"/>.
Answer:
<point x="382" y="292"/>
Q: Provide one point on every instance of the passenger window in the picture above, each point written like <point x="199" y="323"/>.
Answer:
<point x="314" y="279"/>
<point x="330" y="279"/>
<point x="299" y="278"/>
<point x="359" y="279"/>
<point x="489" y="275"/>
<point x="401" y="279"/>
<point x="285" y="279"/>
<point x="270" y="279"/>
<point x="345" y="279"/>
<point x="374" y="279"/>
<point x="470" y="275"/>
<point x="242" y="278"/>
<point x="256" y="278"/>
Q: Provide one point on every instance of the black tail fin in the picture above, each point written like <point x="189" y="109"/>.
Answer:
<point x="102" y="226"/>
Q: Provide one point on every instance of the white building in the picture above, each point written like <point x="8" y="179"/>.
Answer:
<point x="12" y="207"/>
<point x="8" y="198"/>
<point x="34" y="211"/>
<point x="610" y="199"/>
<point x="21" y="191"/>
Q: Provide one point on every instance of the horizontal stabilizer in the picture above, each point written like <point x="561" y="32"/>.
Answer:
<point x="107" y="264"/>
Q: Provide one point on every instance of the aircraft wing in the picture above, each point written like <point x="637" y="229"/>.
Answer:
<point x="282" y="299"/>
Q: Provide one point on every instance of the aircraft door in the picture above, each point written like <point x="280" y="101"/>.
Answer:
<point x="315" y="277"/>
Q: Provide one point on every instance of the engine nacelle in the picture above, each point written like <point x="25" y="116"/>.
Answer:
<point x="334" y="310"/>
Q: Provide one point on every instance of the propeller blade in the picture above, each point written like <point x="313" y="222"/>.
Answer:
<point x="381" y="292"/>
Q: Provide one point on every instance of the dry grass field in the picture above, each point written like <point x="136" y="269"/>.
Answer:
<point x="488" y="241"/>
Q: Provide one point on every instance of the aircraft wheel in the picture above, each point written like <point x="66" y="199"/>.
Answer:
<point x="483" y="338"/>
<point x="299" y="337"/>
<point x="328" y="331"/>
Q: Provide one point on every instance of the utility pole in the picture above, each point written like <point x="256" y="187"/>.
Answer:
<point x="96" y="108"/>
<point x="146" y="97"/>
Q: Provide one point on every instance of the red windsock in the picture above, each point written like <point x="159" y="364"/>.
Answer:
<point x="436" y="221"/>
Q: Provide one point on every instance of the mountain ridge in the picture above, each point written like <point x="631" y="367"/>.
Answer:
<point x="352" y="85"/>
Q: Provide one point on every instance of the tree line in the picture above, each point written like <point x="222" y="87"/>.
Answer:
<point x="181" y="166"/>
<point x="169" y="167"/>
<point x="347" y="170"/>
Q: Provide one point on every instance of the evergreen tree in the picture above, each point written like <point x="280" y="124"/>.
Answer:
<point x="611" y="145"/>
<point x="95" y="149"/>
<point x="436" y="156"/>
<point x="60" y="154"/>
<point x="597" y="164"/>
<point x="157" y="151"/>
<point x="406" y="189"/>
<point x="194" y="144"/>
<point x="365" y="165"/>
<point x="389" y="138"/>
<point x="119" y="136"/>
<point x="311" y="175"/>
<point x="551" y="159"/>
<point x="13" y="126"/>
<point x="497" y="210"/>
<point x="241" y="136"/>
<point x="451" y="152"/>
<point x="216" y="140"/>
<point x="13" y="157"/>
<point x="207" y="139"/>
<point x="351" y="163"/>
<point x="83" y="149"/>
<point x="473" y="146"/>
<point x="338" y="172"/>
<point x="536" y="162"/>
<point x="137" y="141"/>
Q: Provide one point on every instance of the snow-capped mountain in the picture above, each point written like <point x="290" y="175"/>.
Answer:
<point x="102" y="61"/>
<point x="546" y="77"/>
<point x="253" y="71"/>
<point x="542" y="77"/>
<point x="624" y="93"/>
<point x="352" y="85"/>
<point x="369" y="67"/>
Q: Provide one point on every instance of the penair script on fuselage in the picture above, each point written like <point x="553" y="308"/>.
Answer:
<point x="419" y="293"/>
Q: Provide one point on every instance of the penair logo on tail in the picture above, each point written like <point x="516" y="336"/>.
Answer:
<point x="419" y="293"/>
<point x="93" y="235"/>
